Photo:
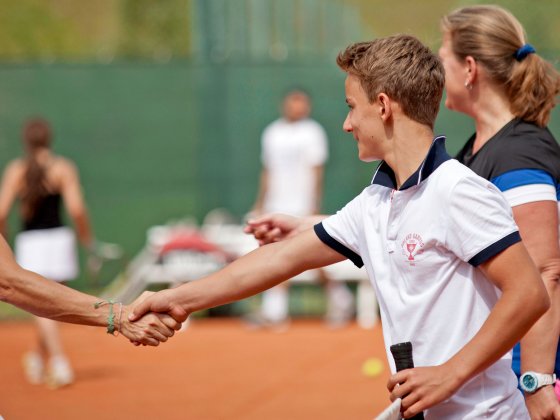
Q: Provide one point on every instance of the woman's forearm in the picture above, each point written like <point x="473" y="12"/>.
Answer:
<point x="540" y="344"/>
<point x="49" y="299"/>
<point x="538" y="225"/>
<point x="83" y="229"/>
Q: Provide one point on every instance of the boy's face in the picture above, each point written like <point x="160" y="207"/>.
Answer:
<point x="363" y="121"/>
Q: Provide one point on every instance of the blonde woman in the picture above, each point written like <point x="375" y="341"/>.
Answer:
<point x="497" y="78"/>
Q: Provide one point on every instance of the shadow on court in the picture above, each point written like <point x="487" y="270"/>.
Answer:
<point x="216" y="369"/>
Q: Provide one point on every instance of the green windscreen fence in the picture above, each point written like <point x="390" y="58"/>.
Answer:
<point x="155" y="142"/>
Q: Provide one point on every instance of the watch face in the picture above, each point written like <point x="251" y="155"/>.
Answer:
<point x="529" y="382"/>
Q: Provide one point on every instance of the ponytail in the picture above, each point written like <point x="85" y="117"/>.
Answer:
<point x="532" y="89"/>
<point x="36" y="136"/>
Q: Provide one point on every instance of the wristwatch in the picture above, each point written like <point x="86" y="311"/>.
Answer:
<point x="531" y="381"/>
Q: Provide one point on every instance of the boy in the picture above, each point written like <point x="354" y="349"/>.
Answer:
<point x="438" y="242"/>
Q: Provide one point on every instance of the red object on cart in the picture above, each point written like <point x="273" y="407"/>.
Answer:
<point x="192" y="240"/>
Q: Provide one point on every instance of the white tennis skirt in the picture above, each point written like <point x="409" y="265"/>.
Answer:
<point x="48" y="252"/>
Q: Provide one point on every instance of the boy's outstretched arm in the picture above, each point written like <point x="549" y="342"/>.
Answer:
<point x="253" y="273"/>
<point x="524" y="299"/>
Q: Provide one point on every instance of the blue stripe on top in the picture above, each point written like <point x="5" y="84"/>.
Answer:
<point x="521" y="177"/>
<point x="337" y="246"/>
<point x="495" y="248"/>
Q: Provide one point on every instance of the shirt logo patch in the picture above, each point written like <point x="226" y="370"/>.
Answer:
<point x="412" y="246"/>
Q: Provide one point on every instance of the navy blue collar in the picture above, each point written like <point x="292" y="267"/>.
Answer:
<point x="436" y="156"/>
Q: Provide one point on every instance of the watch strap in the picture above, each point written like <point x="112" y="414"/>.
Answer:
<point x="545" y="379"/>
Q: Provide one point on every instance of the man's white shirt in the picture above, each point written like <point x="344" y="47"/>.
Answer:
<point x="290" y="152"/>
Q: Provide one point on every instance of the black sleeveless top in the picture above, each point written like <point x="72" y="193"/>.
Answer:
<point x="47" y="214"/>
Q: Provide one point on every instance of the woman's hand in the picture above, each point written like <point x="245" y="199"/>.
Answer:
<point x="543" y="404"/>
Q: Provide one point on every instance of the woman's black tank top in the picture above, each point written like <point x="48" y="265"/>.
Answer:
<point x="47" y="214"/>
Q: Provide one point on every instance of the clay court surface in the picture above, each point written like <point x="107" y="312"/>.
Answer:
<point x="216" y="369"/>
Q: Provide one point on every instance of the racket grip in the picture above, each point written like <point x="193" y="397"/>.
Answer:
<point x="402" y="355"/>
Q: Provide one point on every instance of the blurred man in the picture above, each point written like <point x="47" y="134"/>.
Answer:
<point x="294" y="152"/>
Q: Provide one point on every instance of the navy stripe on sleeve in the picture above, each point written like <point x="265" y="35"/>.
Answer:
<point x="495" y="249"/>
<point x="337" y="246"/>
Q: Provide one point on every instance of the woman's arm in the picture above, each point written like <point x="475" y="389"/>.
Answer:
<point x="538" y="226"/>
<point x="8" y="192"/>
<point x="71" y="191"/>
<point x="48" y="299"/>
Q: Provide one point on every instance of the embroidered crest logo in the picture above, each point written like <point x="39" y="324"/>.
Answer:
<point x="412" y="246"/>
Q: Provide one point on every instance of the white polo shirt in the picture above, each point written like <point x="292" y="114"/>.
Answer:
<point x="420" y="245"/>
<point x="290" y="152"/>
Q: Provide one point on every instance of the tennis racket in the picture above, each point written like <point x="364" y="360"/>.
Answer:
<point x="402" y="354"/>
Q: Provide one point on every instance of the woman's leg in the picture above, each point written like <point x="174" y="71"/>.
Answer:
<point x="59" y="371"/>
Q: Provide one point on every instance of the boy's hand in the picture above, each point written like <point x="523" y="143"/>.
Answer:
<point x="163" y="302"/>
<point x="422" y="387"/>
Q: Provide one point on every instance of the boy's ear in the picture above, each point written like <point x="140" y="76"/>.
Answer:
<point x="384" y="106"/>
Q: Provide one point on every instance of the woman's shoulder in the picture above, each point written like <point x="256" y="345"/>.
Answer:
<point x="526" y="135"/>
<point x="526" y="146"/>
<point x="15" y="167"/>
<point x="62" y="170"/>
<point x="62" y="163"/>
<point x="529" y="142"/>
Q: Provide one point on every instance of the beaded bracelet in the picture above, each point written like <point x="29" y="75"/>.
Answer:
<point x="119" y="320"/>
<point x="111" y="317"/>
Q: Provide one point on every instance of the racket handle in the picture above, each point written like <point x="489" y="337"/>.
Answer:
<point x="402" y="354"/>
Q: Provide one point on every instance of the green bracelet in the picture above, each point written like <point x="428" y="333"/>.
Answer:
<point x="111" y="317"/>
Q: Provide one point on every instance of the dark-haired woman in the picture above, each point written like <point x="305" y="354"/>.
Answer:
<point x="43" y="183"/>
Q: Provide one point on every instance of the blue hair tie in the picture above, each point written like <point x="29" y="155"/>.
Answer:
<point x="524" y="51"/>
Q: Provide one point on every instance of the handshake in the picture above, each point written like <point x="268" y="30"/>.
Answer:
<point x="147" y="321"/>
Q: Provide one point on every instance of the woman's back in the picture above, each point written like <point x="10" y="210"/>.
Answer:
<point x="43" y="208"/>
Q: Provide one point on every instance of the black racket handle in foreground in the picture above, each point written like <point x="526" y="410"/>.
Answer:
<point x="402" y="354"/>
